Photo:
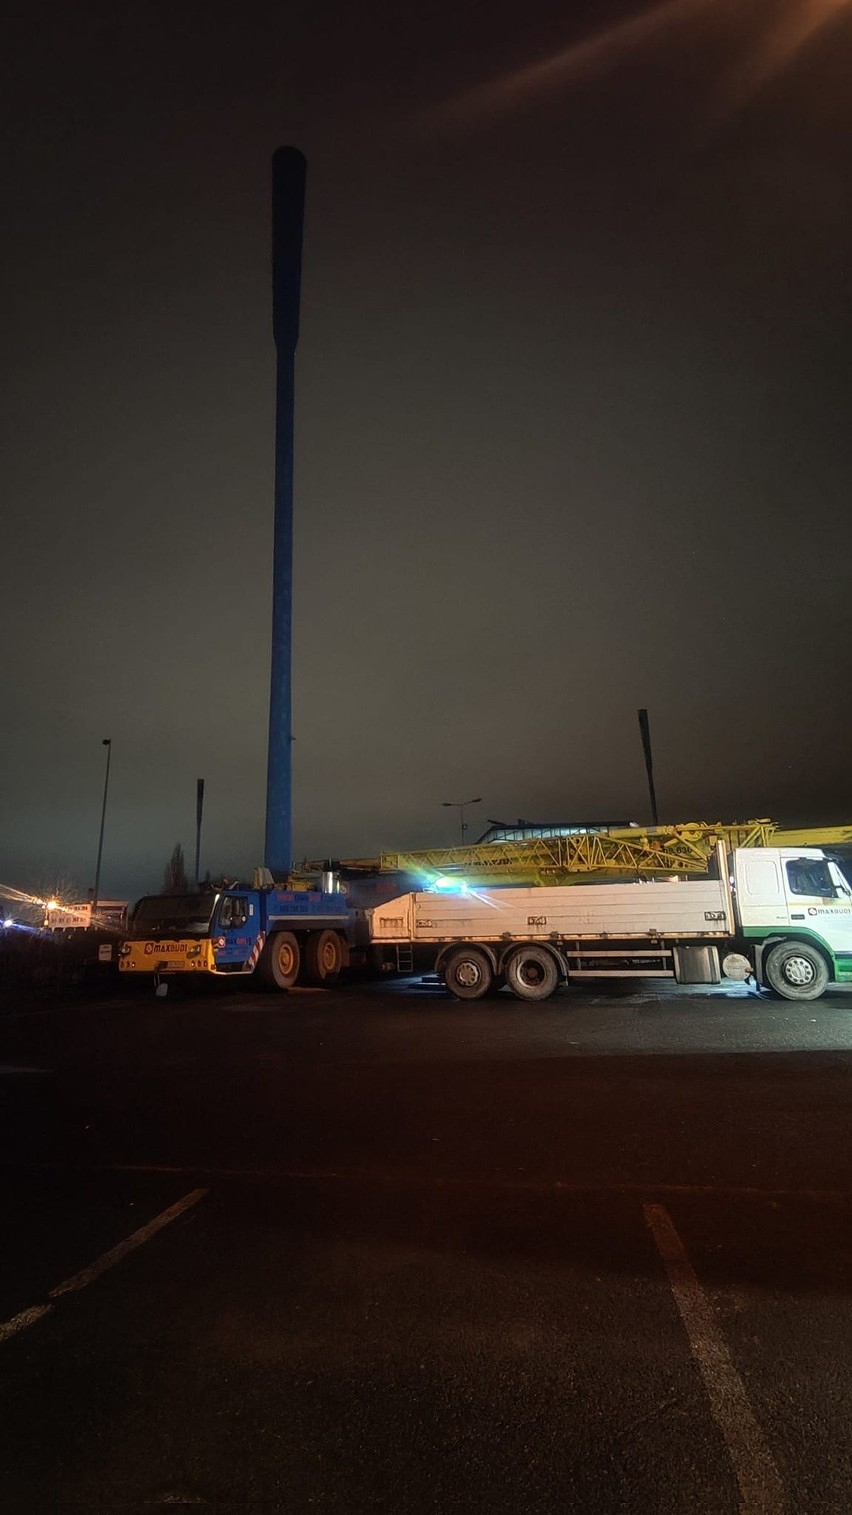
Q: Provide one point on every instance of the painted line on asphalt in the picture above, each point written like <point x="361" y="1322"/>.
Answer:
<point x="441" y="1181"/>
<point x="10" y="1328"/>
<point x="138" y="1239"/>
<point x="761" y="1489"/>
<point x="17" y="1323"/>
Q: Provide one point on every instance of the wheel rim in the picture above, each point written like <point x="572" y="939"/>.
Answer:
<point x="328" y="956"/>
<point x="286" y="958"/>
<point x="531" y="973"/>
<point x="799" y="971"/>
<point x="468" y="973"/>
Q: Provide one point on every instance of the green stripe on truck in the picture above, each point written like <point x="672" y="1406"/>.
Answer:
<point x="841" y="962"/>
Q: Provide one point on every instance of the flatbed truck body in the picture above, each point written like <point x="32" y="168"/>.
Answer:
<point x="783" y="915"/>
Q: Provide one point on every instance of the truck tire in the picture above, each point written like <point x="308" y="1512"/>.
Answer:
<point x="468" y="973"/>
<point x="532" y="974"/>
<point x="796" y="970"/>
<point x="280" y="961"/>
<point x="323" y="957"/>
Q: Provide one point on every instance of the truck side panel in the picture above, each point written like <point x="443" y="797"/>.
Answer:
<point x="624" y="911"/>
<point x="294" y="908"/>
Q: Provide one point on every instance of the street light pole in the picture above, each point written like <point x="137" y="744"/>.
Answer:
<point x="459" y="805"/>
<point x="107" y="742"/>
<point x="645" y="731"/>
<point x="199" y="812"/>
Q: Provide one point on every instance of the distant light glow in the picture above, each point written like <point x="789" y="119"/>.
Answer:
<point x="581" y="60"/>
<point x="15" y="896"/>
<point x="776" y="49"/>
<point x="782" y="39"/>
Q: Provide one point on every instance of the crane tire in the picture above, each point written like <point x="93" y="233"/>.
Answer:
<point x="796" y="970"/>
<point x="323" y="957"/>
<point x="280" y="960"/>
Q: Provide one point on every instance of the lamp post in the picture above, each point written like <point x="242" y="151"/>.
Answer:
<point x="199" y="812"/>
<point x="107" y="742"/>
<point x="460" y="805"/>
<point x="645" y="731"/>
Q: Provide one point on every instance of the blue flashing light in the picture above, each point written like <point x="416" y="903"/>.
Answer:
<point x="443" y="885"/>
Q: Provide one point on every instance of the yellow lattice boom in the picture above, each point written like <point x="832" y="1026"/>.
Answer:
<point x="629" y="852"/>
<point x="812" y="836"/>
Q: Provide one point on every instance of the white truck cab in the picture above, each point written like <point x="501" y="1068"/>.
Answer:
<point x="795" y="906"/>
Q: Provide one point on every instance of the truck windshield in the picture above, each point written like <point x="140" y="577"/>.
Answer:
<point x="178" y="914"/>
<point x="810" y="876"/>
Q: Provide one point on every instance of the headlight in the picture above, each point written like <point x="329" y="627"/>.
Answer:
<point x="194" y="951"/>
<point x="124" y="949"/>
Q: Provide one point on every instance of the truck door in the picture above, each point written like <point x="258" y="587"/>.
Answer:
<point x="819" y="901"/>
<point x="761" y="895"/>
<point x="234" y="931"/>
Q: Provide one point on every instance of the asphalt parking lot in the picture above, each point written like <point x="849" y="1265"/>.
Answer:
<point x="371" y="1249"/>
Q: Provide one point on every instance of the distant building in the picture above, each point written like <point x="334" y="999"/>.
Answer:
<point x="525" y="831"/>
<point x="111" y="915"/>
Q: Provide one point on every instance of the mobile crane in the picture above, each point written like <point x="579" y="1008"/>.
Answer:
<point x="262" y="930"/>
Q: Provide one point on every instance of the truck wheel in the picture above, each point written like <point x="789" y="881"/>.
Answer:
<point x="280" y="961"/>
<point x="532" y="974"/>
<point x="323" y="957"/>
<point x="467" y="973"/>
<point x="795" y="970"/>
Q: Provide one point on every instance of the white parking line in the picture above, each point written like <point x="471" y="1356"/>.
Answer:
<point x="20" y="1322"/>
<point x="10" y="1328"/>
<point x="761" y="1489"/>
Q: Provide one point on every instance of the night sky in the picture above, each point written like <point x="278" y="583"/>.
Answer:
<point x="573" y="419"/>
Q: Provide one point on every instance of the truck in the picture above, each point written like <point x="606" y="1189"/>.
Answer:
<point x="782" y="915"/>
<point x="275" y="935"/>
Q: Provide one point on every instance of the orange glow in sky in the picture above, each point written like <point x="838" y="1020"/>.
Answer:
<point x="788" y="27"/>
<point x="794" y="26"/>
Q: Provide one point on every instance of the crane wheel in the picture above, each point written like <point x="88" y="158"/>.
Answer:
<point x="323" y="957"/>
<point x="280" y="961"/>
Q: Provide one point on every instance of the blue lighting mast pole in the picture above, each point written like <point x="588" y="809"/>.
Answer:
<point x="288" y="210"/>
